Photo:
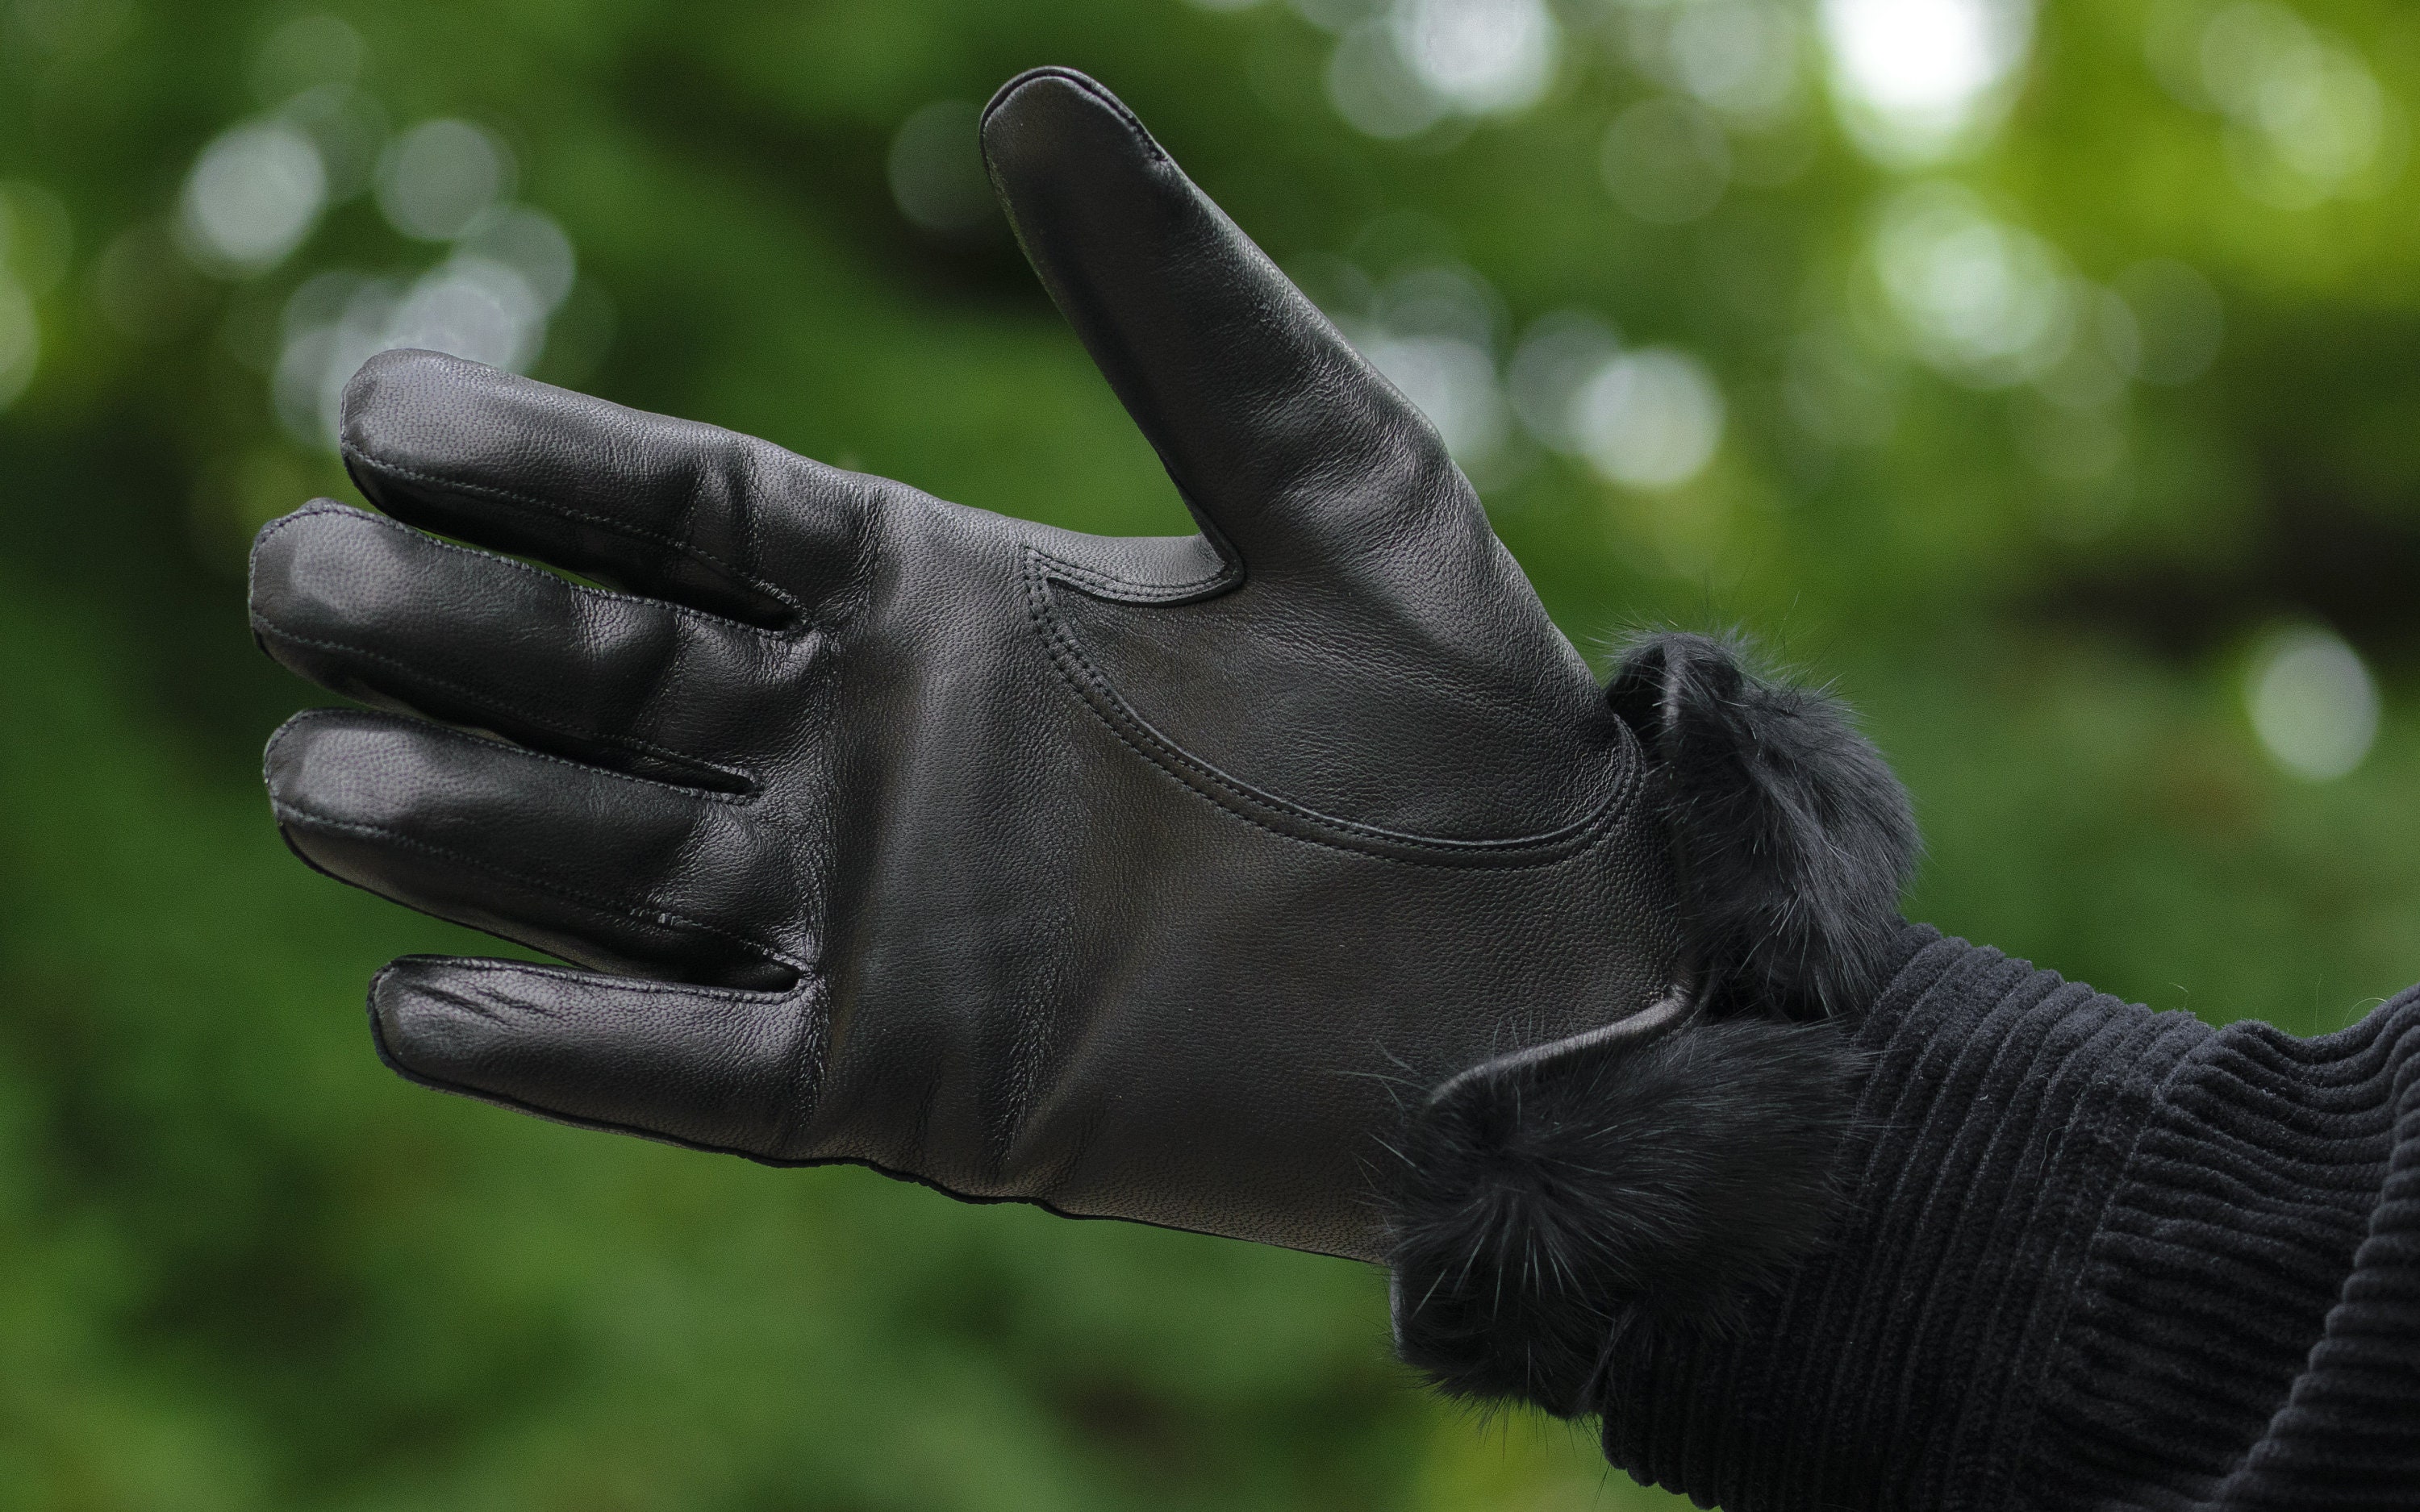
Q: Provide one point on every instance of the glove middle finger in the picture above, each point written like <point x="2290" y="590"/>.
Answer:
<point x="665" y="507"/>
<point x="602" y="869"/>
<point x="380" y="612"/>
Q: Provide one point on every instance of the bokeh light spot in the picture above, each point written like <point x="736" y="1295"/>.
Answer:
<point x="1398" y="73"/>
<point x="472" y="307"/>
<point x="529" y="243"/>
<point x="1374" y="89"/>
<point x="1916" y="76"/>
<point x="1484" y="58"/>
<point x="254" y="194"/>
<point x="1432" y="330"/>
<point x="436" y="180"/>
<point x="2308" y="120"/>
<point x="1988" y="304"/>
<point x="2313" y="702"/>
<point x="1442" y="299"/>
<point x="2308" y="117"/>
<point x="1559" y="354"/>
<point x="1738" y="57"/>
<point x="491" y="301"/>
<point x="1453" y="383"/>
<point x="1649" y="419"/>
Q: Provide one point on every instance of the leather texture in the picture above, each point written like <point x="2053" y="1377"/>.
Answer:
<point x="1139" y="878"/>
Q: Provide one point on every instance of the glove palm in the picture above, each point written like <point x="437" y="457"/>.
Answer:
<point x="1128" y="876"/>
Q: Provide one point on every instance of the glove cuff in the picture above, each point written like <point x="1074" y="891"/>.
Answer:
<point x="1791" y="839"/>
<point x="1561" y="1194"/>
<point x="1672" y="1164"/>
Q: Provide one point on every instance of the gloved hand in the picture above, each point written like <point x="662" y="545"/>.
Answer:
<point x="1146" y="878"/>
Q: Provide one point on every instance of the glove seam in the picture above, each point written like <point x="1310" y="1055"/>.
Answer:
<point x="331" y="508"/>
<point x="505" y="1100"/>
<point x="654" y="913"/>
<point x="1126" y="591"/>
<point x="1548" y="848"/>
<point x="801" y="621"/>
<point x="619" y="983"/>
<point x="1099" y="96"/>
<point x="465" y="737"/>
<point x="269" y="628"/>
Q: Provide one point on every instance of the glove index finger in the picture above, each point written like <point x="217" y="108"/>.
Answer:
<point x="711" y="1068"/>
<point x="1279" y="435"/>
<point x="671" y="508"/>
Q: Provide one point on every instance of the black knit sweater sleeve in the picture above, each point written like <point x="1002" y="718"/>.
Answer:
<point x="2093" y="1257"/>
<point x="1965" y="1236"/>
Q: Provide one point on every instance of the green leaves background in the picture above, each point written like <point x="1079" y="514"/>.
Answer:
<point x="242" y="1267"/>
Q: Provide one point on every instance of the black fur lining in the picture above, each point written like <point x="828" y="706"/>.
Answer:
<point x="1669" y="1164"/>
<point x="1664" y="1167"/>
<point x="1790" y="838"/>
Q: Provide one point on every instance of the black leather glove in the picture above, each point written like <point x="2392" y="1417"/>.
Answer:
<point x="1144" y="878"/>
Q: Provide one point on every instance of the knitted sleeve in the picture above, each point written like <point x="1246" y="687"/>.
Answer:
<point x="1861" y="1217"/>
<point x="2093" y="1257"/>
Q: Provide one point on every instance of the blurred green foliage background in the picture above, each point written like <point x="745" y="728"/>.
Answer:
<point x="2046" y="377"/>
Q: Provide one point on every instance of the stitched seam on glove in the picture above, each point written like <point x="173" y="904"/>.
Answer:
<point x="1279" y="815"/>
<point x="1126" y="591"/>
<point x="585" y="590"/>
<point x="505" y="1100"/>
<point x="1100" y="96"/>
<point x="596" y="978"/>
<point x="652" y="913"/>
<point x="475" y="698"/>
<point x="465" y="737"/>
<point x="800" y="619"/>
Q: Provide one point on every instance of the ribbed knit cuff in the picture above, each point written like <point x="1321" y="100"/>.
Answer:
<point x="2245" y="1333"/>
<point x="2098" y="1256"/>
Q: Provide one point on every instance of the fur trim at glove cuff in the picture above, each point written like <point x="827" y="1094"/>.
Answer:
<point x="1669" y="1164"/>
<point x="1790" y="839"/>
<point x="1663" y="1164"/>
